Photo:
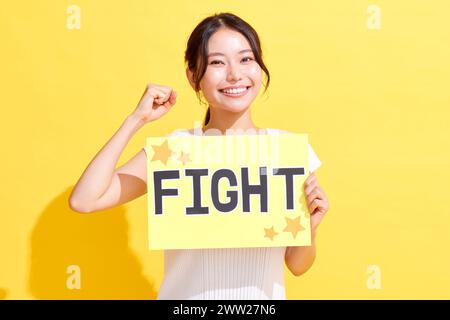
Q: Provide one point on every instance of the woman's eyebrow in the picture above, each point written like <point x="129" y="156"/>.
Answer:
<point x="221" y="54"/>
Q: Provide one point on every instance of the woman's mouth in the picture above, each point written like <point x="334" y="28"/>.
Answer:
<point x="236" y="92"/>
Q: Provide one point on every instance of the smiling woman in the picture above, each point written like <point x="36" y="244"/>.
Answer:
<point x="224" y="63"/>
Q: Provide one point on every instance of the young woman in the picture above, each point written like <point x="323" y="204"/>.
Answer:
<point x="225" y="67"/>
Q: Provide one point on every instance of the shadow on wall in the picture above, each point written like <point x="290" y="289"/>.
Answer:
<point x="3" y="293"/>
<point x="90" y="250"/>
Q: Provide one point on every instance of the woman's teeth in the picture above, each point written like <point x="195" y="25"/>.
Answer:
<point x="236" y="91"/>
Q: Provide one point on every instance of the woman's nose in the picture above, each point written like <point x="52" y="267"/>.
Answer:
<point x="234" y="73"/>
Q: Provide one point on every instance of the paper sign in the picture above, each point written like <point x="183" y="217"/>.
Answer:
<point x="227" y="191"/>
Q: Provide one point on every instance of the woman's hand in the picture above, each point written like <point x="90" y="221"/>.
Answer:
<point x="316" y="200"/>
<point x="156" y="101"/>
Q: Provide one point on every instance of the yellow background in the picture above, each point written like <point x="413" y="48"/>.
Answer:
<point x="174" y="229"/>
<point x="374" y="102"/>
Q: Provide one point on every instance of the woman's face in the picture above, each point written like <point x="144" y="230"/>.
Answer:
<point x="233" y="77"/>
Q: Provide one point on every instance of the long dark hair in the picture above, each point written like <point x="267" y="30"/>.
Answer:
<point x="196" y="55"/>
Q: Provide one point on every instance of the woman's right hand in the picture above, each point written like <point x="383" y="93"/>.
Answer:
<point x="156" y="101"/>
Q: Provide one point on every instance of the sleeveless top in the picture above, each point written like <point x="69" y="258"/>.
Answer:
<point x="230" y="273"/>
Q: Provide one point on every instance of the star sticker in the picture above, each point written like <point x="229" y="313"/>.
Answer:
<point x="270" y="233"/>
<point x="293" y="226"/>
<point x="184" y="157"/>
<point x="162" y="152"/>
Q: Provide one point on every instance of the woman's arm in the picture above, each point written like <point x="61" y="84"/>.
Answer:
<point x="300" y="259"/>
<point x="101" y="186"/>
<point x="100" y="174"/>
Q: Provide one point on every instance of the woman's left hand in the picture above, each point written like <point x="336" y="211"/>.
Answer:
<point x="316" y="201"/>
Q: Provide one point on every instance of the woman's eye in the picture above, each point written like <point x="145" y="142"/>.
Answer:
<point x="216" y="62"/>
<point x="247" y="59"/>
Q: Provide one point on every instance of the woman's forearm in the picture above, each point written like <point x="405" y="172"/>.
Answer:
<point x="97" y="177"/>
<point x="300" y="259"/>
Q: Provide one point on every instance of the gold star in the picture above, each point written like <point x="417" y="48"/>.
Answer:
<point x="162" y="152"/>
<point x="184" y="157"/>
<point x="270" y="233"/>
<point x="293" y="226"/>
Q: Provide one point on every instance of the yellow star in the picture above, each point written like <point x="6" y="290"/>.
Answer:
<point x="162" y="152"/>
<point x="293" y="226"/>
<point x="184" y="157"/>
<point x="270" y="233"/>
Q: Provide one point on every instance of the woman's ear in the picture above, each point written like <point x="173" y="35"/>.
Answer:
<point x="190" y="76"/>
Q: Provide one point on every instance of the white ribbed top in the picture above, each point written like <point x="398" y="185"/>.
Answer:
<point x="234" y="273"/>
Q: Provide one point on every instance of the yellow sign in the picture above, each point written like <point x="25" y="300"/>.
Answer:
<point x="227" y="191"/>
